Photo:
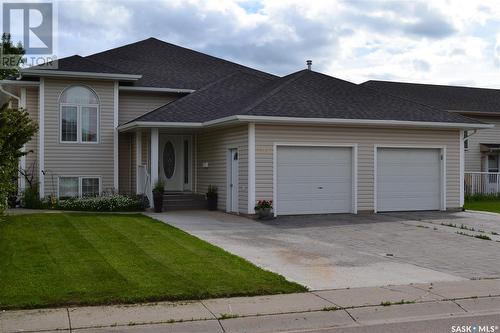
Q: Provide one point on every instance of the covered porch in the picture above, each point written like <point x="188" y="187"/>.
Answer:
<point x="487" y="181"/>
<point x="186" y="160"/>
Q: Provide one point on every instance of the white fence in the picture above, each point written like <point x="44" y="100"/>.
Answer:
<point x="145" y="183"/>
<point x="482" y="183"/>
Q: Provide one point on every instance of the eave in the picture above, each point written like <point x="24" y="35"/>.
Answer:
<point x="302" y="121"/>
<point x="80" y="75"/>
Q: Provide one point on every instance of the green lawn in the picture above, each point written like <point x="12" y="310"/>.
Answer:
<point x="61" y="259"/>
<point x="484" y="205"/>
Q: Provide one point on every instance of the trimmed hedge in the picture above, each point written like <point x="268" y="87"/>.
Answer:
<point x="104" y="203"/>
<point x="482" y="197"/>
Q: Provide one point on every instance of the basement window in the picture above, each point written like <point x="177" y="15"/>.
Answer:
<point x="73" y="187"/>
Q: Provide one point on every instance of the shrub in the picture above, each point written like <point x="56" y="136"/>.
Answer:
<point x="159" y="186"/>
<point x="482" y="197"/>
<point x="30" y="198"/>
<point x="104" y="203"/>
<point x="212" y="191"/>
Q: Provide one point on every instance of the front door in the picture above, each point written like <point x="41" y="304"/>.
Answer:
<point x="233" y="181"/>
<point x="175" y="162"/>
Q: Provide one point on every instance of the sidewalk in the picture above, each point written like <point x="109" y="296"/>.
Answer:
<point x="312" y="310"/>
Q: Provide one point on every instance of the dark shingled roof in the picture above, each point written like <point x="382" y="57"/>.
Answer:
<point x="161" y="64"/>
<point x="450" y="98"/>
<point x="306" y="94"/>
<point x="77" y="63"/>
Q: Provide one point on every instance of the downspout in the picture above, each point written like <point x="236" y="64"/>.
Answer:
<point x="10" y="94"/>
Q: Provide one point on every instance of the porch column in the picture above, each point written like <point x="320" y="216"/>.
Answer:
<point x="139" y="180"/>
<point x="154" y="156"/>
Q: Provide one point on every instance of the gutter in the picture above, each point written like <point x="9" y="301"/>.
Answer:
<point x="298" y="120"/>
<point x="156" y="89"/>
<point x="10" y="94"/>
<point x="89" y="75"/>
<point x="21" y="83"/>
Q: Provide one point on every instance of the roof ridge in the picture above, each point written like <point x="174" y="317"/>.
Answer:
<point x="275" y="90"/>
<point x="429" y="84"/>
<point x="242" y="67"/>
<point x="142" y="115"/>
<point x="204" y="88"/>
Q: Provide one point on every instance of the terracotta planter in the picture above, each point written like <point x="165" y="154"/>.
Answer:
<point x="158" y="201"/>
<point x="264" y="213"/>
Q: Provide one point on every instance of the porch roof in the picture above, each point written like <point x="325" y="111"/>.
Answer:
<point x="490" y="147"/>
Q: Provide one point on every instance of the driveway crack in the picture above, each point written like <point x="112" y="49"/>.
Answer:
<point x="213" y="314"/>
<point x="69" y="321"/>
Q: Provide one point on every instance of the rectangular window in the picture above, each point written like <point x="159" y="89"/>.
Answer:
<point x="492" y="163"/>
<point x="69" y="125"/>
<point x="466" y="140"/>
<point x="79" y="123"/>
<point x="71" y="187"/>
<point x="90" y="187"/>
<point x="89" y="124"/>
<point x="68" y="187"/>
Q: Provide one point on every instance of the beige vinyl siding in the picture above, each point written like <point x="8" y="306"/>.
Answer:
<point x="127" y="159"/>
<point x="473" y="153"/>
<point x="78" y="159"/>
<point x="213" y="147"/>
<point x="32" y="145"/>
<point x="125" y="156"/>
<point x="366" y="138"/>
<point x="135" y="104"/>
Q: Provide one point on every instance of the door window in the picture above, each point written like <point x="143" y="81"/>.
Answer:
<point x="169" y="160"/>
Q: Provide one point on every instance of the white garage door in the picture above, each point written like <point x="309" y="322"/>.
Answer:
<point x="314" y="180"/>
<point x="408" y="179"/>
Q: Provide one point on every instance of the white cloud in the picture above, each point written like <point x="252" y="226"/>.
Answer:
<point x="445" y="41"/>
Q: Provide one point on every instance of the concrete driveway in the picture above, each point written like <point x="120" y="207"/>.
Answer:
<point x="341" y="251"/>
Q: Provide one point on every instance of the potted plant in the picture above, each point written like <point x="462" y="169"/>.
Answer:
<point x="212" y="197"/>
<point x="264" y="209"/>
<point x="158" y="191"/>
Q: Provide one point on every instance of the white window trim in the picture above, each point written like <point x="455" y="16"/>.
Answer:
<point x="80" y="178"/>
<point x="443" y="167"/>
<point x="353" y="146"/>
<point x="79" y="123"/>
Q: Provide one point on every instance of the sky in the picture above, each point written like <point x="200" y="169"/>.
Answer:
<point x="438" y="41"/>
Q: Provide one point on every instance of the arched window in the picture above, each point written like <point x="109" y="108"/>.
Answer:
<point x="79" y="114"/>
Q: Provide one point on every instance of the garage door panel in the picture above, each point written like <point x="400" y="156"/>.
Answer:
<point x="408" y="179"/>
<point x="314" y="180"/>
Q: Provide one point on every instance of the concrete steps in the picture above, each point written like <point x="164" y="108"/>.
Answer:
<point x="183" y="201"/>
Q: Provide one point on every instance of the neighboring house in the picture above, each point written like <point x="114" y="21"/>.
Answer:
<point x="124" y="118"/>
<point x="482" y="148"/>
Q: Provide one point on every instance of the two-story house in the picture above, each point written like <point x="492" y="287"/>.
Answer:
<point x="124" y="118"/>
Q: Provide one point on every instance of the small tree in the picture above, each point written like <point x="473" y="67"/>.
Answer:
<point x="16" y="129"/>
<point x="11" y="57"/>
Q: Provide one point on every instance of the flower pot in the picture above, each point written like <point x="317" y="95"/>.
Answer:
<point x="212" y="202"/>
<point x="264" y="213"/>
<point x="158" y="201"/>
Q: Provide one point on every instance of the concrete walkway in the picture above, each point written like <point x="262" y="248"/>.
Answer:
<point x="357" y="307"/>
